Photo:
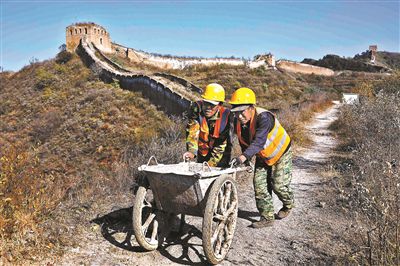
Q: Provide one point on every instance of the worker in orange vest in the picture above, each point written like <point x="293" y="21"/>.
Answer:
<point x="260" y="133"/>
<point x="207" y="131"/>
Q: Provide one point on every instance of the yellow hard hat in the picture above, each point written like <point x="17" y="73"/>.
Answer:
<point x="214" y="93"/>
<point x="243" y="96"/>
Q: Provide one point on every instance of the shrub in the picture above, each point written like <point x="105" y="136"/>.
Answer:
<point x="373" y="129"/>
<point x="44" y="79"/>
<point x="63" y="57"/>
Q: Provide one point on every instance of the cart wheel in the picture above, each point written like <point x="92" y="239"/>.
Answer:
<point x="219" y="219"/>
<point x="146" y="220"/>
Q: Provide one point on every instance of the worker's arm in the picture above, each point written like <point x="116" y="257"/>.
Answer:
<point x="220" y="145"/>
<point x="193" y="129"/>
<point x="265" y="123"/>
<point x="217" y="152"/>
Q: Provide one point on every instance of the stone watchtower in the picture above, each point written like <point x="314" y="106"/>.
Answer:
<point x="270" y="60"/>
<point x="373" y="49"/>
<point x="90" y="32"/>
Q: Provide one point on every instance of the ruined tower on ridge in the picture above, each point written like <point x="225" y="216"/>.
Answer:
<point x="373" y="49"/>
<point x="90" y="32"/>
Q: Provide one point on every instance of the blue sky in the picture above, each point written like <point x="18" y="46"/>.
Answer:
<point x="289" y="29"/>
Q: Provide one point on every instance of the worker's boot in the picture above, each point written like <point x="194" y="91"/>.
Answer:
<point x="283" y="213"/>
<point x="263" y="222"/>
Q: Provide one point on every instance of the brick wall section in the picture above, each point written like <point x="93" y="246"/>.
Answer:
<point x="181" y="81"/>
<point x="188" y="85"/>
<point x="171" y="62"/>
<point x="290" y="66"/>
<point x="160" y="95"/>
<point x="105" y="58"/>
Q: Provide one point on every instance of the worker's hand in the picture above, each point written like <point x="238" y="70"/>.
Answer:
<point x="188" y="156"/>
<point x="238" y="160"/>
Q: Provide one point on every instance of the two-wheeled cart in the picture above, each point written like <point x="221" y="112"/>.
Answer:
<point x="187" y="188"/>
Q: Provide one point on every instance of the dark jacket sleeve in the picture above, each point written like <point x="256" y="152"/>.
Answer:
<point x="193" y="129"/>
<point x="264" y="124"/>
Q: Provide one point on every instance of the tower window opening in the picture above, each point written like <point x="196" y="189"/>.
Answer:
<point x="80" y="30"/>
<point x="70" y="31"/>
<point x="76" y="31"/>
<point x="85" y="30"/>
<point x="101" y="40"/>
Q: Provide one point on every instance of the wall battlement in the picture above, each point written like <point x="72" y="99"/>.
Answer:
<point x="155" y="88"/>
<point x="291" y="66"/>
<point x="98" y="35"/>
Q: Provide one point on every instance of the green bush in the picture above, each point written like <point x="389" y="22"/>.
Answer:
<point x="63" y="57"/>
<point x="44" y="79"/>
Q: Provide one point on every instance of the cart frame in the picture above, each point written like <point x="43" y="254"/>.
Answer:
<point x="187" y="188"/>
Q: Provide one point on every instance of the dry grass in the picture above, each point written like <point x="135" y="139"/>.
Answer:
<point x="67" y="141"/>
<point x="295" y="118"/>
<point x="62" y="133"/>
<point x="370" y="181"/>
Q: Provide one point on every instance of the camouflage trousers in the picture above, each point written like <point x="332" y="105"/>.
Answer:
<point x="274" y="178"/>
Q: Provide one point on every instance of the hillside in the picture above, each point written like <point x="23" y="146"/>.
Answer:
<point x="274" y="89"/>
<point x="360" y="62"/>
<point x="390" y="59"/>
<point x="66" y="139"/>
<point x="70" y="144"/>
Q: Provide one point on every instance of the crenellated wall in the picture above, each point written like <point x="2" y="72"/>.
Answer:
<point x="296" y="67"/>
<point x="171" y="62"/>
<point x="158" y="93"/>
<point x="96" y="34"/>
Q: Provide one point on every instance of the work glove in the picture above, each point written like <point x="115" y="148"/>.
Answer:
<point x="236" y="161"/>
<point x="188" y="156"/>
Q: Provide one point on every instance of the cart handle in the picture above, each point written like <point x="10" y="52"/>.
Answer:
<point x="154" y="158"/>
<point x="249" y="168"/>
<point x="205" y="164"/>
<point x="186" y="160"/>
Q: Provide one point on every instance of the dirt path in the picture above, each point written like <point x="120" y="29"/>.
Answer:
<point x="310" y="235"/>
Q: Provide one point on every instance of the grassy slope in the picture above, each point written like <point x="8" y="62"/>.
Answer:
<point x="360" y="62"/>
<point x="65" y="138"/>
<point x="390" y="59"/>
<point x="62" y="133"/>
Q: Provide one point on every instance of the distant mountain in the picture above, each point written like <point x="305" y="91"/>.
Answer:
<point x="385" y="61"/>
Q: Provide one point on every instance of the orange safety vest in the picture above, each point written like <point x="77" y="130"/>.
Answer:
<point x="206" y="141"/>
<point x="277" y="139"/>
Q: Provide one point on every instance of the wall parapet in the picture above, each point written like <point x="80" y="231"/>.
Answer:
<point x="105" y="58"/>
<point x="182" y="81"/>
<point x="291" y="66"/>
<point x="159" y="94"/>
<point x="100" y="37"/>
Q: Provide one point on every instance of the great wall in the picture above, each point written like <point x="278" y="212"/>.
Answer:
<point x="99" y="36"/>
<point x="170" y="93"/>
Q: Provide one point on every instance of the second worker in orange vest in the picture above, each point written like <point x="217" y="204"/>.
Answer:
<point x="207" y="132"/>
<point x="260" y="133"/>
